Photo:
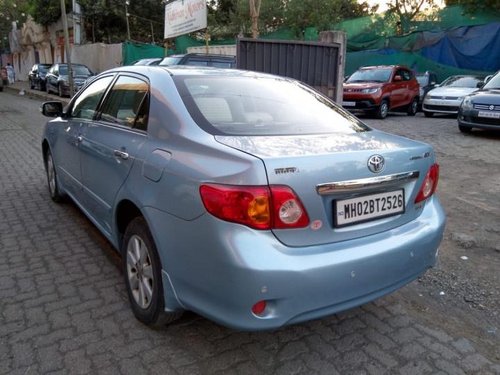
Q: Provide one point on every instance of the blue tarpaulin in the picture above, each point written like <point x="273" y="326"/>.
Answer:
<point x="470" y="47"/>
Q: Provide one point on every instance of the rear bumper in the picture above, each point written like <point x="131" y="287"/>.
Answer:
<point x="221" y="270"/>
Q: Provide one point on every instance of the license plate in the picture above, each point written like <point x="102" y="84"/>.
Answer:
<point x="489" y="114"/>
<point x="369" y="207"/>
<point x="349" y="104"/>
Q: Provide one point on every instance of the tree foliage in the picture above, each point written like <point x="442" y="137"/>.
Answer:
<point x="46" y="12"/>
<point x="296" y="15"/>
<point x="106" y="20"/>
<point x="477" y="6"/>
<point x="403" y="12"/>
<point x="322" y="14"/>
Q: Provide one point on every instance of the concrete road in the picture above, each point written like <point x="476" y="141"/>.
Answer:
<point x="64" y="309"/>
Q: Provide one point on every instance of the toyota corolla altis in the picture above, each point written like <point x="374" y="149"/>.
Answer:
<point x="250" y="199"/>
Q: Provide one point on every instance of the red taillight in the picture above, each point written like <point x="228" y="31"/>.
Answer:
<point x="429" y="184"/>
<point x="259" y="307"/>
<point x="258" y="207"/>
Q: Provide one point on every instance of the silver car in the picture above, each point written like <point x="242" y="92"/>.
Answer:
<point x="447" y="97"/>
<point x="250" y="199"/>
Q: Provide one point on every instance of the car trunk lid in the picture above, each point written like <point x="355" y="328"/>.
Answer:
<point x="324" y="170"/>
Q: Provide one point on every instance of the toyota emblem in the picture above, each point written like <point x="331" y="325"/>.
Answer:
<point x="376" y="163"/>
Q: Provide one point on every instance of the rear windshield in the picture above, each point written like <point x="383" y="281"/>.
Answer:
<point x="248" y="105"/>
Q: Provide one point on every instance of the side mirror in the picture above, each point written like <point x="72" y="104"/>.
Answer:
<point x="480" y="84"/>
<point x="52" y="109"/>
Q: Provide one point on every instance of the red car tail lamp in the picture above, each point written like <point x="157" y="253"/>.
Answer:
<point x="429" y="185"/>
<point x="259" y="207"/>
<point x="259" y="308"/>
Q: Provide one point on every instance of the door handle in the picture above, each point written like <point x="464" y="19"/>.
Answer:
<point x="121" y="154"/>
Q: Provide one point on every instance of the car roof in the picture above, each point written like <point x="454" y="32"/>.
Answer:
<point x="383" y="67"/>
<point x="191" y="70"/>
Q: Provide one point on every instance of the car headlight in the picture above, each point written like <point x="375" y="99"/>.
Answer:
<point x="370" y="91"/>
<point x="467" y="104"/>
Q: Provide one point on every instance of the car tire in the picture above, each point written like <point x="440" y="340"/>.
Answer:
<point x="142" y="270"/>
<point x="382" y="110"/>
<point x="428" y="114"/>
<point x="47" y="88"/>
<point x="50" y="169"/>
<point x="412" y="107"/>
<point x="464" y="129"/>
<point x="32" y="85"/>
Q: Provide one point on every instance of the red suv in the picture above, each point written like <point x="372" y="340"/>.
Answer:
<point x="380" y="89"/>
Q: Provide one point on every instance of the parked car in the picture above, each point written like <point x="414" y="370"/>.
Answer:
<point x="481" y="109"/>
<point x="447" y="96"/>
<point x="148" y="61"/>
<point x="200" y="59"/>
<point x="36" y="76"/>
<point x="248" y="198"/>
<point x="427" y="81"/>
<point x="57" y="78"/>
<point x="380" y="89"/>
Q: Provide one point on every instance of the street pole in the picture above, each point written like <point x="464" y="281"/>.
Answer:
<point x="127" y="2"/>
<point x="66" y="47"/>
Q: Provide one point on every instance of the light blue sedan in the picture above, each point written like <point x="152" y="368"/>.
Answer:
<point x="250" y="199"/>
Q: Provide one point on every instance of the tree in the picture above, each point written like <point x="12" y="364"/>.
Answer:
<point x="476" y="6"/>
<point x="405" y="11"/>
<point x="254" y="16"/>
<point x="106" y="20"/>
<point x="321" y="14"/>
<point x="46" y="12"/>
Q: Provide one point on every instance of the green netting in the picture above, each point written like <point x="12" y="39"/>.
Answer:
<point x="132" y="51"/>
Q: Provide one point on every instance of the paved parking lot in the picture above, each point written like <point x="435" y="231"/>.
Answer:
<point x="64" y="308"/>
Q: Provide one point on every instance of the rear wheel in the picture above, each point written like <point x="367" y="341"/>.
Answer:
<point x="142" y="269"/>
<point x="428" y="114"/>
<point x="412" y="107"/>
<point x="382" y="110"/>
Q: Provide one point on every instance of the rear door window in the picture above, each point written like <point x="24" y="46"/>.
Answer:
<point x="127" y="103"/>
